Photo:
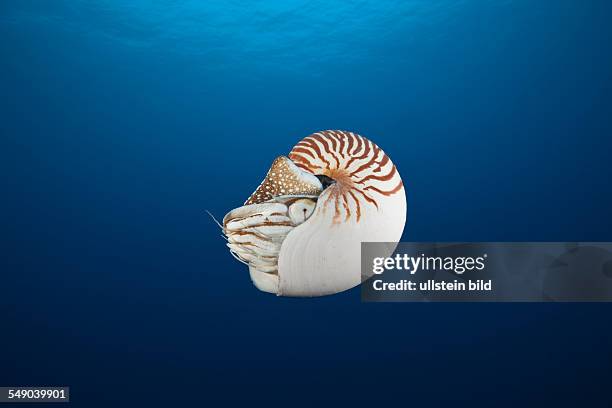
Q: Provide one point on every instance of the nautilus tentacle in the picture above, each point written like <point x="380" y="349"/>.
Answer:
<point x="301" y="230"/>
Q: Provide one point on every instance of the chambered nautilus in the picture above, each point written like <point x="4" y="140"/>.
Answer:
<point x="300" y="232"/>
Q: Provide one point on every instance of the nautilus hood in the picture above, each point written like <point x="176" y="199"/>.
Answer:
<point x="300" y="232"/>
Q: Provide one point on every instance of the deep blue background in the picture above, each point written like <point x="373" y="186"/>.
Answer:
<point x="122" y="121"/>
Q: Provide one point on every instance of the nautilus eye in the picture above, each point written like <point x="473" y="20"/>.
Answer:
<point x="301" y="209"/>
<point x="301" y="231"/>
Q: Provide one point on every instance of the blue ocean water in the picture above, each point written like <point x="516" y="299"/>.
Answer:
<point x="122" y="121"/>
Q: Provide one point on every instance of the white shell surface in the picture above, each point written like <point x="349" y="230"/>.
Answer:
<point x="312" y="263"/>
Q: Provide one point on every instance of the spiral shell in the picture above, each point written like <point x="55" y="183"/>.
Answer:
<point x="301" y="231"/>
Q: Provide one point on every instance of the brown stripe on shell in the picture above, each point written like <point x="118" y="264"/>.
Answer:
<point x="357" y="206"/>
<point x="387" y="193"/>
<point x="351" y="140"/>
<point x="385" y="177"/>
<point x="367" y="197"/>
<point x="357" y="145"/>
<point x="347" y="208"/>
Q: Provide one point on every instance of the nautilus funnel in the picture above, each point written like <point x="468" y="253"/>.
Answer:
<point x="300" y="232"/>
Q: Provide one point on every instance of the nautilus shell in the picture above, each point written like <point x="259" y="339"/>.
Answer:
<point x="300" y="232"/>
